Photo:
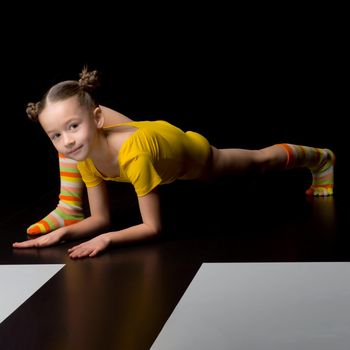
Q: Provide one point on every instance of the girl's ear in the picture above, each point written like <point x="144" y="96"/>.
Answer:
<point x="98" y="117"/>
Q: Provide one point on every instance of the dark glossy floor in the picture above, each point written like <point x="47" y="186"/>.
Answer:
<point x="121" y="299"/>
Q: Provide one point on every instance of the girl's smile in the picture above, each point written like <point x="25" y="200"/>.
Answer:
<point x="75" y="151"/>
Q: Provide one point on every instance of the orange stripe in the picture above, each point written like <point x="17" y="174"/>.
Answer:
<point x="69" y="198"/>
<point x="290" y="154"/>
<point x="45" y="224"/>
<point x="68" y="174"/>
<point x="70" y="222"/>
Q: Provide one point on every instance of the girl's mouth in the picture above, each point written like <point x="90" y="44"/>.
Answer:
<point x="75" y="150"/>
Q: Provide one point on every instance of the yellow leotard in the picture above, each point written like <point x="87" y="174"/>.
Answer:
<point x="156" y="153"/>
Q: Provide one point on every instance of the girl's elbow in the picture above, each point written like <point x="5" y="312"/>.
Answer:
<point x="107" y="222"/>
<point x="156" y="230"/>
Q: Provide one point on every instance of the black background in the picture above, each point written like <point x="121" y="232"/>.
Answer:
<point x="243" y="77"/>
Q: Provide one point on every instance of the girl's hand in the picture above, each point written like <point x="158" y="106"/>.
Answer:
<point x="90" y="248"/>
<point x="46" y="240"/>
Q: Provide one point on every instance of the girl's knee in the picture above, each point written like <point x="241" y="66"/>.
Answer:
<point x="260" y="160"/>
<point x="269" y="158"/>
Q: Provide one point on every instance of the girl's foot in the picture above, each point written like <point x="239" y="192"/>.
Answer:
<point x="323" y="176"/>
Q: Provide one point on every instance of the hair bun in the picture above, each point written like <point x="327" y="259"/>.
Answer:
<point x="32" y="111"/>
<point x="88" y="79"/>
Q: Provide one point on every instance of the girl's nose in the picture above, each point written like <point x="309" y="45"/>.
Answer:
<point x="68" y="141"/>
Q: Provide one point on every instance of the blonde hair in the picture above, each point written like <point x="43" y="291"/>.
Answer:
<point x="84" y="89"/>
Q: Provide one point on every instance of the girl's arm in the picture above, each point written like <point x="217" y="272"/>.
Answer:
<point x="97" y="222"/>
<point x="150" y="227"/>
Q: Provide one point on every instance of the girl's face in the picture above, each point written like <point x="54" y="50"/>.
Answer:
<point x="71" y="128"/>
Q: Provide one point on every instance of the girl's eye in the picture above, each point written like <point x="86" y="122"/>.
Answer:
<point x="73" y="126"/>
<point x="55" y="136"/>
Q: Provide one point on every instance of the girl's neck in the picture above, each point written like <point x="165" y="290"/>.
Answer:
<point x="101" y="149"/>
<point x="104" y="156"/>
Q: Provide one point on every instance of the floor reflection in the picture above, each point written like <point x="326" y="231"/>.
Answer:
<point x="323" y="215"/>
<point x="123" y="291"/>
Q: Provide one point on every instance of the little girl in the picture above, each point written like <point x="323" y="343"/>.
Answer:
<point x="146" y="154"/>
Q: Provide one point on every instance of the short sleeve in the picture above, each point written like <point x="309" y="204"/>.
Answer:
<point x="142" y="174"/>
<point x="89" y="177"/>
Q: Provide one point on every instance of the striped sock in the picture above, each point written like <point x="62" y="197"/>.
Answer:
<point x="321" y="163"/>
<point x="69" y="209"/>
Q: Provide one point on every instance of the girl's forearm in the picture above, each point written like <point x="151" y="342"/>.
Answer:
<point x="85" y="228"/>
<point x="99" y="243"/>
<point x="131" y="234"/>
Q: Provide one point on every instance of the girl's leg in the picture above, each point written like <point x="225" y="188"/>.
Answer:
<point x="279" y="157"/>
<point x="69" y="209"/>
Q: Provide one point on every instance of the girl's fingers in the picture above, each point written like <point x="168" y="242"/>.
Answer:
<point x="80" y="253"/>
<point x="74" y="248"/>
<point x="25" y="244"/>
<point x="94" y="253"/>
<point x="42" y="241"/>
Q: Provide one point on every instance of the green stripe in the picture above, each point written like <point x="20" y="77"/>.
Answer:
<point x="51" y="223"/>
<point x="69" y="170"/>
<point x="68" y="216"/>
<point x="70" y="193"/>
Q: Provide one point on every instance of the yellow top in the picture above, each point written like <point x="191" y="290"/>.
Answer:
<point x="156" y="153"/>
